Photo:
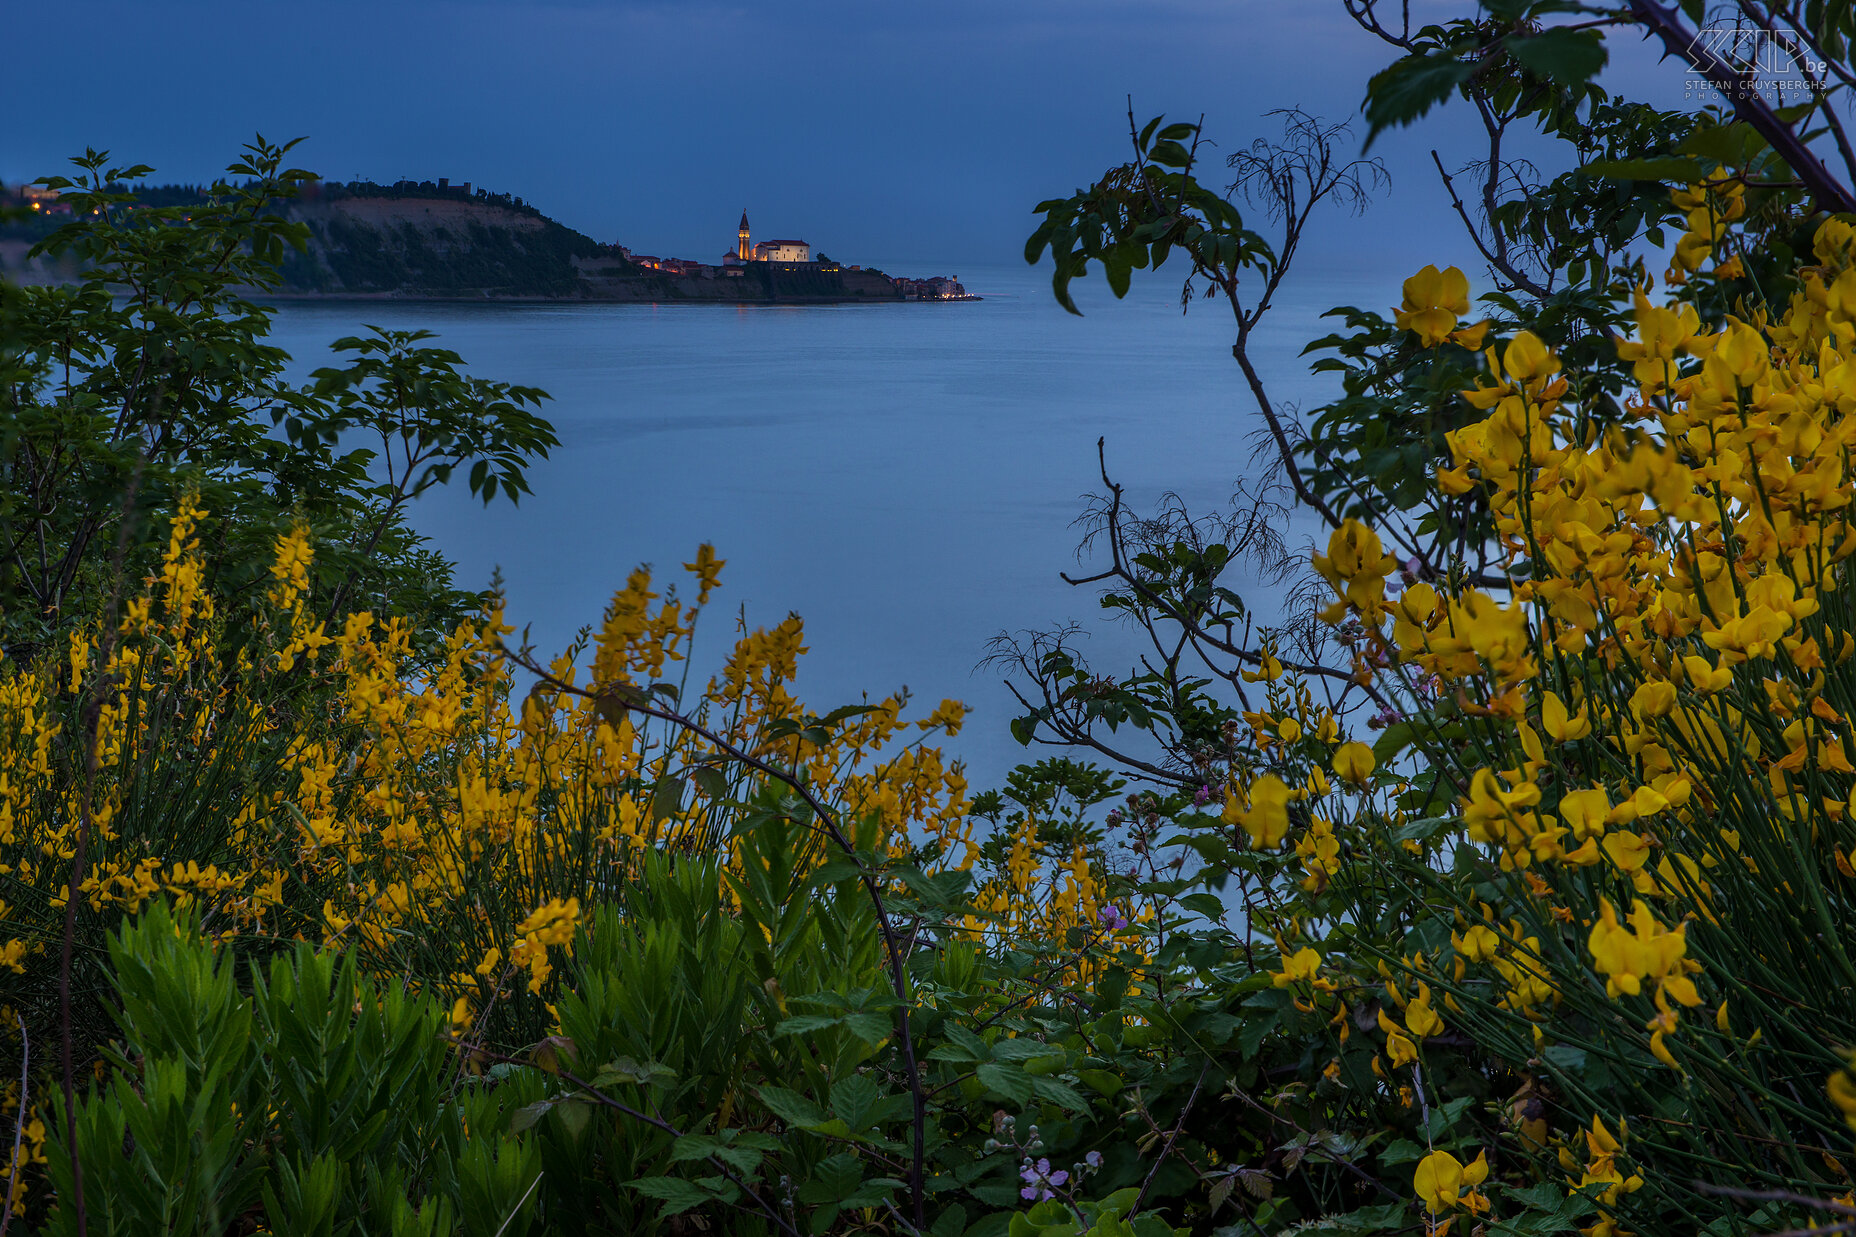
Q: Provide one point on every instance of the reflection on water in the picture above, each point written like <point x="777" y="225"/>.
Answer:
<point x="905" y="476"/>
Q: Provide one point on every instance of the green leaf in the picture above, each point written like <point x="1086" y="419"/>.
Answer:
<point x="1397" y="737"/>
<point x="1566" y="1058"/>
<point x="1547" y="1196"/>
<point x="1100" y="1080"/>
<point x="1422" y="830"/>
<point x="1405" y="90"/>
<point x="792" y="1108"/>
<point x="1012" y="1083"/>
<point x="712" y="782"/>
<point x="525" y="1117"/>
<point x="805" y="1024"/>
<point x="845" y="713"/>
<point x="1568" y="57"/>
<point x="1112" y="987"/>
<point x="1251" y="1034"/>
<point x="1731" y="144"/>
<point x="852" y="1098"/>
<point x="1209" y="905"/>
<point x="962" y="1045"/>
<point x="667" y="798"/>
<point x="742" y="1158"/>
<point x="834" y="1177"/>
<point x="1023" y="1049"/>
<point x="872" y="1029"/>
<point x="676" y="1194"/>
<point x="950" y="1223"/>
<point x="627" y="1070"/>
<point x="834" y="870"/>
<point x="574" y="1114"/>
<point x="694" y="1147"/>
<point x="1062" y="1094"/>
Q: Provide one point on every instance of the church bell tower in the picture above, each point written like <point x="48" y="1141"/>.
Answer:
<point x="741" y="247"/>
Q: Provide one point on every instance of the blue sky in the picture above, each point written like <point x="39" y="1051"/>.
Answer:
<point x="906" y="134"/>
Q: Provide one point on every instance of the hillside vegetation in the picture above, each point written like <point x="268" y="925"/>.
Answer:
<point x="438" y="247"/>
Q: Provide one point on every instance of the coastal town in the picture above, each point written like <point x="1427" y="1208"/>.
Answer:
<point x="447" y="239"/>
<point x="796" y="255"/>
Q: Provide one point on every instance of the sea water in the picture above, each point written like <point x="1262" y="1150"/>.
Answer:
<point x="906" y="476"/>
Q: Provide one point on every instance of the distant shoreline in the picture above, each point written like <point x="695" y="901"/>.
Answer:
<point x="422" y="243"/>
<point x="390" y="298"/>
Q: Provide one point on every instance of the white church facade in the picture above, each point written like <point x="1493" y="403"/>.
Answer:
<point x="765" y="251"/>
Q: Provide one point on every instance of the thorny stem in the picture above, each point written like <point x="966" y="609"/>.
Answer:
<point x="1167" y="1149"/>
<point x="1498" y="261"/>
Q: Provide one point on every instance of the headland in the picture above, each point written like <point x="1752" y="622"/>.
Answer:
<point x="439" y="241"/>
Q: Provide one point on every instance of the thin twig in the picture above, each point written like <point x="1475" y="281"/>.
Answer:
<point x="1777" y="1196"/>
<point x="1167" y="1150"/>
<point x="517" y="1209"/>
<point x="1500" y="263"/>
<point x="1789" y="1196"/>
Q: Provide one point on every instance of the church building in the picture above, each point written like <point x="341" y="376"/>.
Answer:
<point x="765" y="251"/>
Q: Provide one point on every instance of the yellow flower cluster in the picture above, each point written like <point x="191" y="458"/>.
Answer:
<point x="183" y="588"/>
<point x="1434" y="301"/>
<point x="552" y="924"/>
<point x="1646" y="952"/>
<point x="1600" y="1174"/>
<point x="1649" y="673"/>
<point x="1041" y="891"/>
<point x="1707" y="209"/>
<point x="1357" y="566"/>
<point x="1445" y="1183"/>
<point x="406" y="803"/>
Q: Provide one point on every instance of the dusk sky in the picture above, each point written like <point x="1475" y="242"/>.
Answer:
<point x="919" y="133"/>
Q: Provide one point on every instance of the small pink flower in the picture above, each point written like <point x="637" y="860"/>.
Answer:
<point x="1038" y="1179"/>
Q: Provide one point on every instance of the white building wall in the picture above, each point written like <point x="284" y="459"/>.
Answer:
<point x="790" y="251"/>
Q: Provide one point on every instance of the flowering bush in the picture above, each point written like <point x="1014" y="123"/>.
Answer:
<point x="1630" y="787"/>
<point x="550" y="868"/>
<point x="1530" y="891"/>
<point x="448" y="829"/>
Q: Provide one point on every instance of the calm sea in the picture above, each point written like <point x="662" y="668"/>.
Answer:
<point x="904" y="476"/>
